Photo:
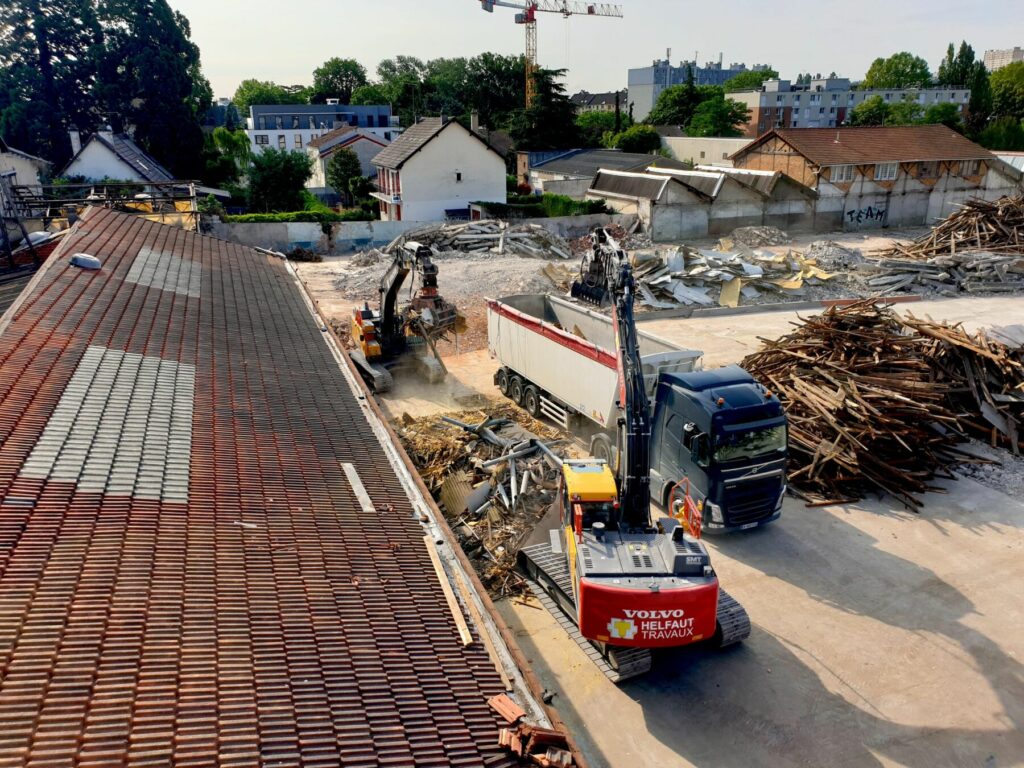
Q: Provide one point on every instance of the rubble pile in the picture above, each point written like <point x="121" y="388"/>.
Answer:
<point x="949" y="274"/>
<point x="878" y="403"/>
<point x="696" y="276"/>
<point x="754" y="237"/>
<point x="529" y="742"/>
<point x="489" y="236"/>
<point x="979" y="225"/>
<point x="630" y="239"/>
<point x="494" y="476"/>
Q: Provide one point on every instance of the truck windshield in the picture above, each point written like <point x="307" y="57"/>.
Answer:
<point x="754" y="443"/>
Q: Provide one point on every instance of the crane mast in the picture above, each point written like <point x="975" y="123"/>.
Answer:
<point x="527" y="16"/>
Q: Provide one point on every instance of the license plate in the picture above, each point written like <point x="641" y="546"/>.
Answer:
<point x="748" y="525"/>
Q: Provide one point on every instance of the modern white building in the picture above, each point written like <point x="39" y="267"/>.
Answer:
<point x="293" y="126"/>
<point x="826" y="103"/>
<point x="434" y="170"/>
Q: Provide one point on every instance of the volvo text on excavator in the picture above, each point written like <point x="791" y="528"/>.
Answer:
<point x="627" y="583"/>
<point x="382" y="337"/>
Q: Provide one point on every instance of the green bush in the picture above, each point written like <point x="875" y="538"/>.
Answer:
<point x="544" y="207"/>
<point x="294" y="217"/>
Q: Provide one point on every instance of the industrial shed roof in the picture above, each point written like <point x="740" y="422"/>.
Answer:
<point x="851" y="146"/>
<point x="207" y="556"/>
<point x="585" y="163"/>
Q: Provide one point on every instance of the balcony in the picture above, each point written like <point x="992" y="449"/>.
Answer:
<point x="387" y="197"/>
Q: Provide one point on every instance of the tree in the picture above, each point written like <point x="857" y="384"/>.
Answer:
<point x="962" y="69"/>
<point x="901" y="70"/>
<point x="642" y="139"/>
<point x="277" y="180"/>
<point x="751" y="80"/>
<point x="907" y="112"/>
<point x="497" y="87"/>
<point x="677" y="104"/>
<point x="594" y="125"/>
<point x="956" y="69"/>
<point x="446" y="87"/>
<point x="336" y="79"/>
<point x="343" y="166"/>
<point x="250" y="92"/>
<point x="718" y="117"/>
<point x="402" y="81"/>
<point x="945" y="114"/>
<point x="871" y="111"/>
<point x="550" y="123"/>
<point x="1005" y="134"/>
<point x="1008" y="91"/>
<point x="369" y="94"/>
<point x="359" y="187"/>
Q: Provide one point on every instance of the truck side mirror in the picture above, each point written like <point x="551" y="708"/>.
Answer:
<point x="699" y="450"/>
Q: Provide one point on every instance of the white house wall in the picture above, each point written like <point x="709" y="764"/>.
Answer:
<point x="429" y="187"/>
<point x="25" y="169"/>
<point x="97" y="162"/>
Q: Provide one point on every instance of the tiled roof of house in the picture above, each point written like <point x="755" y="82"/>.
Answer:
<point x="206" y="556"/>
<point x="843" y="146"/>
<point x="331" y="136"/>
<point x="412" y="140"/>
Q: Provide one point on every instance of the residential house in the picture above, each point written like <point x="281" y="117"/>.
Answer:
<point x="875" y="177"/>
<point x="827" y="103"/>
<point x="600" y="102"/>
<point x="703" y="150"/>
<point x="293" y="126"/>
<point x="571" y="172"/>
<point x="109" y="155"/>
<point x="28" y="169"/>
<point x="363" y="143"/>
<point x="434" y="170"/>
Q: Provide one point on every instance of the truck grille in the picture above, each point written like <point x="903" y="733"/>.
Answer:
<point x="750" y="501"/>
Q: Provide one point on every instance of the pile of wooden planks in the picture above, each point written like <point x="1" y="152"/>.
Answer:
<point x="877" y="402"/>
<point x="979" y="225"/>
<point x="489" y="236"/>
<point x="964" y="271"/>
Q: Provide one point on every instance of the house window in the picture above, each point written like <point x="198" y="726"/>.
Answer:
<point x="279" y="122"/>
<point x="725" y="155"/>
<point x="794" y="124"/>
<point x="298" y="141"/>
<point x="261" y="123"/>
<point x="702" y="155"/>
<point x="262" y="140"/>
<point x="888" y="97"/>
<point x="282" y="141"/>
<point x="312" y="122"/>
<point x="886" y="171"/>
<point x="458" y="177"/>
<point x="295" y="121"/>
<point x="832" y="111"/>
<point x="970" y="168"/>
<point x="841" y="173"/>
<point x="778" y="99"/>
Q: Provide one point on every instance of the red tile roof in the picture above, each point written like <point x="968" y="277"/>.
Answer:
<point x="186" y="574"/>
<point x="851" y="146"/>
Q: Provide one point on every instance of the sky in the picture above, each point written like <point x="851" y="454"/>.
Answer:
<point x="285" y="40"/>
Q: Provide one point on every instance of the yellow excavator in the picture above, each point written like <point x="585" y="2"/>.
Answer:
<point x="390" y="334"/>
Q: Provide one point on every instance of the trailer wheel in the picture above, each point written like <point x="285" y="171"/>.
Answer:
<point x="503" y="382"/>
<point x="515" y="388"/>
<point x="531" y="401"/>
<point x="601" y="448"/>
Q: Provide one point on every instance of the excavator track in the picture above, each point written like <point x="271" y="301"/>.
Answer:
<point x="547" y="573"/>
<point x="733" y="621"/>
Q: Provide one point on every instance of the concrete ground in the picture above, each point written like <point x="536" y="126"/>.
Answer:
<point x="880" y="637"/>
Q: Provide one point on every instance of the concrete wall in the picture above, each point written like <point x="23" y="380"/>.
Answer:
<point x="429" y="185"/>
<point x="574" y="188"/>
<point x="351" y="236"/>
<point x="706" y="151"/>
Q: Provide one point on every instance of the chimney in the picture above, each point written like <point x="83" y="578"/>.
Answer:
<point x="106" y="132"/>
<point x="474" y="121"/>
<point x="76" y="141"/>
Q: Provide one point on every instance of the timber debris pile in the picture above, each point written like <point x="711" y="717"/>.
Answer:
<point x="490" y="236"/>
<point x="494" y="477"/>
<point x="532" y="744"/>
<point x="979" y="248"/>
<point x="878" y="403"/>
<point x="698" y="276"/>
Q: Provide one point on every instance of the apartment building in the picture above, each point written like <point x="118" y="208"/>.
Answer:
<point x="646" y="83"/>
<point x="997" y="59"/>
<point x="826" y="103"/>
<point x="600" y="102"/>
<point x="294" y="126"/>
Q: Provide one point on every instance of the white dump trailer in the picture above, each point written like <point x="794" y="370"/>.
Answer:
<point x="558" y="360"/>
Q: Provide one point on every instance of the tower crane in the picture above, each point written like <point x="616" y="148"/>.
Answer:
<point x="527" y="16"/>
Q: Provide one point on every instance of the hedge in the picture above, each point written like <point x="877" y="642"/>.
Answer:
<point x="317" y="217"/>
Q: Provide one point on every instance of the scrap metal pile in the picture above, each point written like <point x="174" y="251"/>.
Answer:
<point x="494" y="477"/>
<point x="980" y="247"/>
<point x="878" y="402"/>
<point x="696" y="276"/>
<point x="489" y="236"/>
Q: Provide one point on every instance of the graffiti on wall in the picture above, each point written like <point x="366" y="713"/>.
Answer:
<point x="869" y="215"/>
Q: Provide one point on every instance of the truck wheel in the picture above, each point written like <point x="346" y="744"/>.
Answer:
<point x="503" y="382"/>
<point x="601" y="448"/>
<point x="531" y="401"/>
<point x="515" y="389"/>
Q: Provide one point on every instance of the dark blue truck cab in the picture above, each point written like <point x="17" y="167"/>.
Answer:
<point x="727" y="434"/>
